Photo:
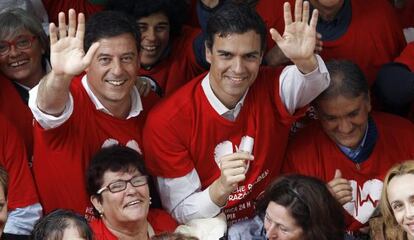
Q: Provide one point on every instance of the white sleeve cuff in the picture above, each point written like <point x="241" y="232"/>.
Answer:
<point x="296" y="89"/>
<point x="22" y="220"/>
<point x="45" y="120"/>
<point x="183" y="198"/>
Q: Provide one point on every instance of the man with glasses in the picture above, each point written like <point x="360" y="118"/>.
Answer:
<point x="77" y="114"/>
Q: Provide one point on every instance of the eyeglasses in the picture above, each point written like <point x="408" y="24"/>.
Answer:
<point x="21" y="42"/>
<point x="121" y="185"/>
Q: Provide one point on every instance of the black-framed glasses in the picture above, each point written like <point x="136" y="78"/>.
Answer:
<point x="21" y="42"/>
<point x="121" y="185"/>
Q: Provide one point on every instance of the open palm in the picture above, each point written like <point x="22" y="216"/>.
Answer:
<point x="299" y="38"/>
<point x="66" y="53"/>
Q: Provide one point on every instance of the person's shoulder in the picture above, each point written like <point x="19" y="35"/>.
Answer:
<point x="179" y="102"/>
<point x="247" y="229"/>
<point x="310" y="133"/>
<point x="393" y="122"/>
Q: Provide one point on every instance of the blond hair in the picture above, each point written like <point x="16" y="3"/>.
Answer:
<point x="392" y="229"/>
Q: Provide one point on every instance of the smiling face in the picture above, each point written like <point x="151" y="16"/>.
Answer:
<point x="23" y="66"/>
<point x="113" y="70"/>
<point x="155" y="35"/>
<point x="125" y="207"/>
<point x="235" y="60"/>
<point x="400" y="194"/>
<point x="344" y="119"/>
<point x="280" y="224"/>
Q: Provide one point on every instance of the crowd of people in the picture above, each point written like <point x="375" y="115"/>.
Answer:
<point x="207" y="119"/>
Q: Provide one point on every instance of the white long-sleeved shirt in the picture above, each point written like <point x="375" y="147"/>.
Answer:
<point x="182" y="196"/>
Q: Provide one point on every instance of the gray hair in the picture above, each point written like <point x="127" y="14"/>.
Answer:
<point x="347" y="80"/>
<point x="14" y="19"/>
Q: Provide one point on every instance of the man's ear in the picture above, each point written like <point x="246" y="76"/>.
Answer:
<point x="208" y="53"/>
<point x="96" y="203"/>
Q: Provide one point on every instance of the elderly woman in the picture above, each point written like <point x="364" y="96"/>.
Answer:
<point x="4" y="182"/>
<point x="62" y="225"/>
<point x="117" y="184"/>
<point x="24" y="52"/>
<point x="397" y="202"/>
<point x="294" y="207"/>
<point x="24" y="48"/>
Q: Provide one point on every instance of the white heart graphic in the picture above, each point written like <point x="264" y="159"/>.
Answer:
<point x="364" y="200"/>
<point x="131" y="144"/>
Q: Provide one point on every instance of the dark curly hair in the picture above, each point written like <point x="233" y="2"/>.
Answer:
<point x="53" y="225"/>
<point x="175" y="10"/>
<point x="310" y="203"/>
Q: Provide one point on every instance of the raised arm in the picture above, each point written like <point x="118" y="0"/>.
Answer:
<point x="298" y="41"/>
<point x="301" y="83"/>
<point x="67" y="58"/>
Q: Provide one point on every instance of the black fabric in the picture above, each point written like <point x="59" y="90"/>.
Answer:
<point x="332" y="30"/>
<point x="8" y="236"/>
<point x="370" y="141"/>
<point x="394" y="87"/>
<point x="24" y="94"/>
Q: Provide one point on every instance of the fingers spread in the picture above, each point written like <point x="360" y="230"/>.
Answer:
<point x="87" y="59"/>
<point x="53" y="33"/>
<point x="314" y="19"/>
<point x="275" y="35"/>
<point x="80" y="31"/>
<point x="298" y="10"/>
<point x="72" y="23"/>
<point x="62" y="25"/>
<point x="305" y="15"/>
<point x="287" y="13"/>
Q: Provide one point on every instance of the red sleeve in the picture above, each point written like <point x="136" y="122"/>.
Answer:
<point x="407" y="56"/>
<point x="161" y="221"/>
<point x="22" y="191"/>
<point x="302" y="153"/>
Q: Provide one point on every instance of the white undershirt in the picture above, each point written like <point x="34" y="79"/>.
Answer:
<point x="182" y="196"/>
<point x="48" y="121"/>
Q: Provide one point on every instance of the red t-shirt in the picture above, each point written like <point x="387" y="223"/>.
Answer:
<point x="374" y="37"/>
<point x="159" y="220"/>
<point x="184" y="132"/>
<point x="17" y="112"/>
<point x="13" y="158"/>
<point x="313" y="153"/>
<point x="62" y="154"/>
<point x="53" y="8"/>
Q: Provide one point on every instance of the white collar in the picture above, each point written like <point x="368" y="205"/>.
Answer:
<point x="217" y="105"/>
<point x="136" y="104"/>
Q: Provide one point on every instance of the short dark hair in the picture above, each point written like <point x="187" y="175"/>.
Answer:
<point x="107" y="24"/>
<point x="236" y="18"/>
<point x="175" y="10"/>
<point x="347" y="80"/>
<point x="310" y="203"/>
<point x="114" y="158"/>
<point x="53" y="225"/>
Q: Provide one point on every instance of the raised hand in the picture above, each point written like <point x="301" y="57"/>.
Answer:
<point x="67" y="55"/>
<point x="299" y="38"/>
<point x="340" y="188"/>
